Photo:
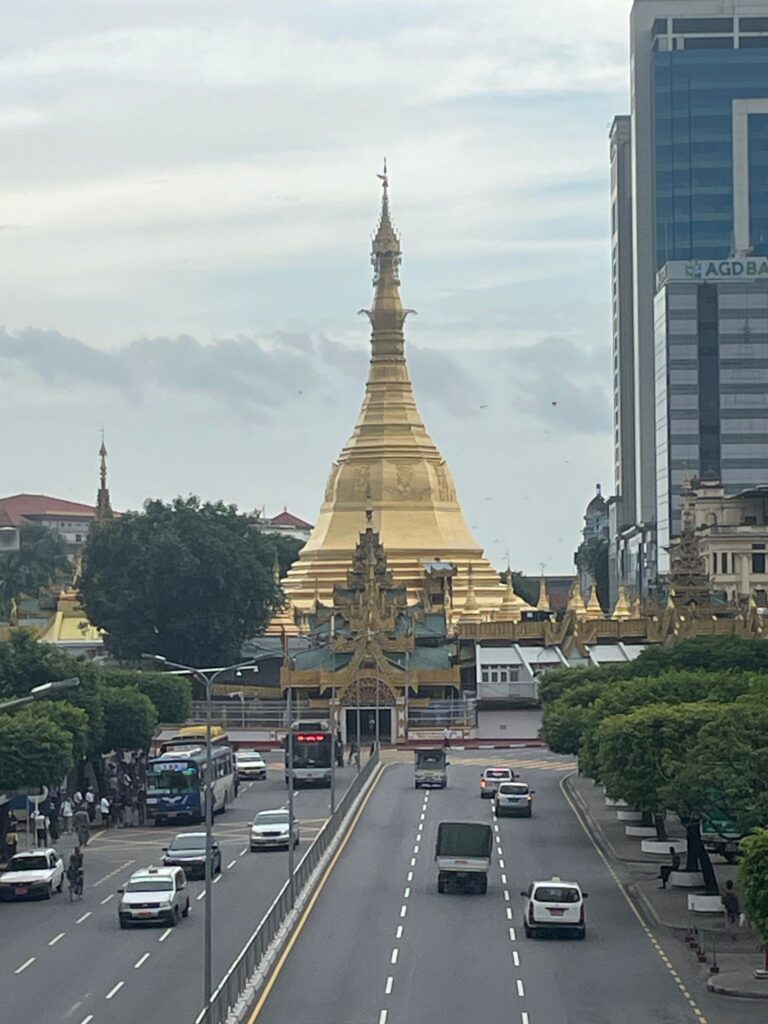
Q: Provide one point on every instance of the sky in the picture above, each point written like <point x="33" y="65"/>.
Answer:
<point x="187" y="196"/>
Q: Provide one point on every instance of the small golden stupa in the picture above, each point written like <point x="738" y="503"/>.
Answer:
<point x="391" y="467"/>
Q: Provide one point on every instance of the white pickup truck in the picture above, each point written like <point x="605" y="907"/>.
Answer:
<point x="463" y="856"/>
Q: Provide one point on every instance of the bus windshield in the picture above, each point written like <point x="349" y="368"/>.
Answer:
<point x="173" y="777"/>
<point x="311" y="751"/>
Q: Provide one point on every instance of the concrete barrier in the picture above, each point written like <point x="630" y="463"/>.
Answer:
<point x="639" y="831"/>
<point x="660" y="847"/>
<point x="700" y="904"/>
<point x="629" y="815"/>
<point x="686" y="879"/>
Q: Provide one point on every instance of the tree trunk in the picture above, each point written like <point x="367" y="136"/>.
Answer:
<point x="661" y="828"/>
<point x="647" y="819"/>
<point x="697" y="858"/>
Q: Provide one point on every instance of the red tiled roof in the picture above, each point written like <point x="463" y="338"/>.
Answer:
<point x="5" y="519"/>
<point x="21" y="507"/>
<point x="286" y="518"/>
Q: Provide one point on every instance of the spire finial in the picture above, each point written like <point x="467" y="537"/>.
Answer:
<point x="103" y="505"/>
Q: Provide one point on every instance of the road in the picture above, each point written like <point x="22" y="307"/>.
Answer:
<point x="382" y="947"/>
<point x="62" y="962"/>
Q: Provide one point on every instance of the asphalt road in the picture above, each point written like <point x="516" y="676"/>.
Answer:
<point x="62" y="962"/>
<point x="382" y="947"/>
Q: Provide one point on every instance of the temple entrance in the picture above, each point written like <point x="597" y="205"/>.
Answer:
<point x="369" y="693"/>
<point x="368" y="725"/>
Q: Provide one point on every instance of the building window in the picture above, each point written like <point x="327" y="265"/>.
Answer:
<point x="702" y="25"/>
<point x="758" y="558"/>
<point x="78" y="538"/>
<point x="753" y="24"/>
<point x="660" y="26"/>
<point x="724" y="561"/>
<point x="499" y="673"/>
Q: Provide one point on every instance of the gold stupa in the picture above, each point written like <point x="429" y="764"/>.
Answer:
<point x="392" y="467"/>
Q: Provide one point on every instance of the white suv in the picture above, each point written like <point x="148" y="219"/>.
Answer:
<point x="554" y="905"/>
<point x="154" y="896"/>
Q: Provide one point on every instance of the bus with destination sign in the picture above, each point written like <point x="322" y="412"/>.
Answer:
<point x="176" y="783"/>
<point x="311" y="744"/>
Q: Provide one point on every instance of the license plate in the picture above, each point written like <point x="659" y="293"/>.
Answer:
<point x="556" y="912"/>
<point x="20" y="890"/>
<point x="171" y="814"/>
<point x="145" y="913"/>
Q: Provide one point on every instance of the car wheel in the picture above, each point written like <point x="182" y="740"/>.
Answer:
<point x="123" y="923"/>
<point x="529" y="814"/>
<point x="60" y="886"/>
<point x="185" y="911"/>
<point x="527" y="930"/>
<point x="440" y="885"/>
<point x="175" y="919"/>
<point x="581" y="933"/>
<point x="416" y="785"/>
<point x="218" y="866"/>
<point x="48" y="891"/>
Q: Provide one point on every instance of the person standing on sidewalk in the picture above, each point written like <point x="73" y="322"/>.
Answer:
<point x="11" y="838"/>
<point x="67" y="813"/>
<point x="731" y="909"/>
<point x="41" y="828"/>
<point x="104" y="807"/>
<point x="90" y="803"/>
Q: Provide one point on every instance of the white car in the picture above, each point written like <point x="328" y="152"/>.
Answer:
<point x="271" y="828"/>
<point x="33" y="874"/>
<point x="154" y="896"/>
<point x="514" y="798"/>
<point x="492" y="778"/>
<point x="250" y="765"/>
<point x="554" y="905"/>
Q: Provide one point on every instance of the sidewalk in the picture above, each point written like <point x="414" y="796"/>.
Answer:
<point x="668" y="908"/>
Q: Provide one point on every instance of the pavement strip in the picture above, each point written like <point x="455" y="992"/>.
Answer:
<point x="84" y="917"/>
<point x="113" y="873"/>
<point x="56" y="938"/>
<point x="519" y="987"/>
<point x="140" y="961"/>
<point x="165" y="934"/>
<point x="113" y="991"/>
<point x="25" y="965"/>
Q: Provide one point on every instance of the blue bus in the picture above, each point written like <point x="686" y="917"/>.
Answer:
<point x="176" y="782"/>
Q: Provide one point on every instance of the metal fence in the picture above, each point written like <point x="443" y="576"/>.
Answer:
<point x="234" y="982"/>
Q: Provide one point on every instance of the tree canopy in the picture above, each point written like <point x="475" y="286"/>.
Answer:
<point x="753" y="881"/>
<point x="188" y="580"/>
<point x="42" y="555"/>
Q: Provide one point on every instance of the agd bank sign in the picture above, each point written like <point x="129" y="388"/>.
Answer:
<point x="754" y="268"/>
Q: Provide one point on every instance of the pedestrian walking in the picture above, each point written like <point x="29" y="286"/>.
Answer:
<point x="666" y="869"/>
<point x="141" y="804"/>
<point x="42" y="823"/>
<point x="731" y="909"/>
<point x="82" y="825"/>
<point x="11" y="838"/>
<point x="446" y="737"/>
<point x="53" y="815"/>
<point x="90" y="803"/>
<point x="77" y="798"/>
<point x="67" y="813"/>
<point x="105" y="808"/>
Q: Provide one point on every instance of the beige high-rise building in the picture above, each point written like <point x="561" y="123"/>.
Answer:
<point x="392" y="469"/>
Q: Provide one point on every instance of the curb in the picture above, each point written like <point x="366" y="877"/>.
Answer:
<point x="720" y="989"/>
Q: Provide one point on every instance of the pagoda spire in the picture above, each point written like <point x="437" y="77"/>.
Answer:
<point x="387" y="315"/>
<point x="103" y="505"/>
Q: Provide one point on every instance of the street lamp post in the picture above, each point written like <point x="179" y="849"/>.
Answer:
<point x="357" y="724"/>
<point x="41" y="692"/>
<point x="289" y="712"/>
<point x="206" y="677"/>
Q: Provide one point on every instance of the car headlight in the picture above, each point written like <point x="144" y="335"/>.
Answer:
<point x="165" y="906"/>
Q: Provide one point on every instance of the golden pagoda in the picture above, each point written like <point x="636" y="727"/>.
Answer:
<point x="392" y="467"/>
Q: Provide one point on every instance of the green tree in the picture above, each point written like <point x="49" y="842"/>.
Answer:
<point x="34" y="752"/>
<point x="42" y="555"/>
<point x="71" y="719"/>
<point x="187" y="580"/>
<point x="640" y="752"/>
<point x="592" y="557"/>
<point x="130" y="719"/>
<point x="753" y="883"/>
<point x="287" y="550"/>
<point x="171" y="695"/>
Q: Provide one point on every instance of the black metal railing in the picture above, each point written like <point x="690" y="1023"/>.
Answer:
<point x="235" y="981"/>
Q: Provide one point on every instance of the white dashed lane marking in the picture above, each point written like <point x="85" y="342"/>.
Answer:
<point x="107" y="898"/>
<point x="520" y="989"/>
<point x="399" y="932"/>
<point x="165" y="934"/>
<point x="388" y="986"/>
<point x="113" y="992"/>
<point x="85" y="916"/>
<point x="141" y="960"/>
<point x="56" y="938"/>
<point x="25" y="965"/>
<point x="395" y="953"/>
<point x="233" y="862"/>
<point x="515" y="958"/>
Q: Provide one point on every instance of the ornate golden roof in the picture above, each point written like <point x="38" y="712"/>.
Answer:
<point x="622" y="609"/>
<point x="391" y="468"/>
<point x="594" y="609"/>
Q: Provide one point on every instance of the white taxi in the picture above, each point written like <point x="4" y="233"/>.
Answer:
<point x="492" y="778"/>
<point x="154" y="896"/>
<point x="554" y="905"/>
<point x="32" y="875"/>
<point x="250" y="764"/>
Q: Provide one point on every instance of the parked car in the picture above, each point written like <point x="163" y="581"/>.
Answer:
<point x="187" y="851"/>
<point x="492" y="778"/>
<point x="32" y="875"/>
<point x="154" y="896"/>
<point x="514" y="798"/>
<point x="554" y="906"/>
<point x="272" y="828"/>
<point x="250" y="764"/>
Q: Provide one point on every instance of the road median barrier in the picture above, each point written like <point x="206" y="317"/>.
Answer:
<point x="233" y="1000"/>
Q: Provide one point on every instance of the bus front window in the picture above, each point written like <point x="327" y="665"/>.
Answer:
<point x="165" y="781"/>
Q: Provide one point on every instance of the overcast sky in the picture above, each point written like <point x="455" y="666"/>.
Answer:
<point x="187" y="195"/>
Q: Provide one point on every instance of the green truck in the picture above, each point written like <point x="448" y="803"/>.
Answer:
<point x="463" y="856"/>
<point x="430" y="768"/>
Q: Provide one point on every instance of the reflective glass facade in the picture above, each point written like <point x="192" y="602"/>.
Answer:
<point x="693" y="92"/>
<point x="711" y="390"/>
